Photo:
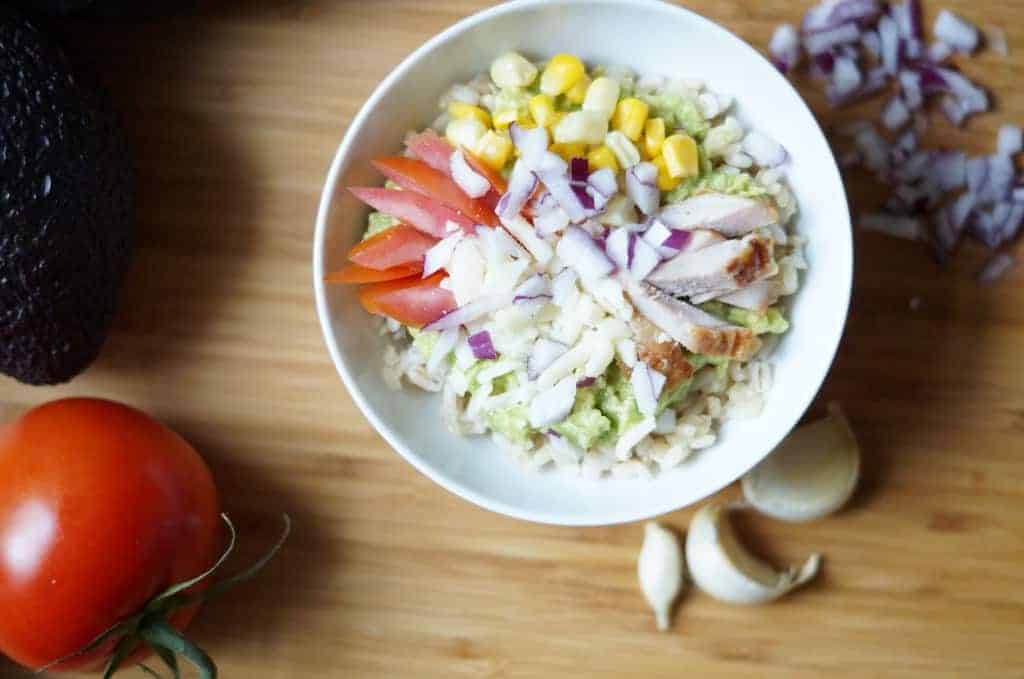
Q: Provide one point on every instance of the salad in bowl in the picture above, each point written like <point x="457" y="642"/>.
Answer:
<point x="588" y="266"/>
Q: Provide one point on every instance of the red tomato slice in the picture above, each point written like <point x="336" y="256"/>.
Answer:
<point x="415" y="175"/>
<point x="353" y="273"/>
<point x="412" y="208"/>
<point x="432" y="150"/>
<point x="401" y="244"/>
<point x="413" y="301"/>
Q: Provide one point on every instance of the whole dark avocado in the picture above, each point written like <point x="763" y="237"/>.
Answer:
<point x="66" y="209"/>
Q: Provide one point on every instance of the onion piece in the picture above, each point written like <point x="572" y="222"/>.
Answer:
<point x="471" y="311"/>
<point x="1001" y="171"/>
<point x="563" y="287"/>
<point x="577" y="249"/>
<point x="550" y="222"/>
<point x="641" y="187"/>
<point x="521" y="185"/>
<point x="939" y="51"/>
<point x="895" y="113"/>
<point x="996" y="267"/>
<point x="472" y="183"/>
<point x="907" y="228"/>
<point x="647" y="384"/>
<point x="537" y="285"/>
<point x="553" y="405"/>
<point x="438" y="256"/>
<point x="827" y="15"/>
<point x="579" y="169"/>
<point x="482" y="346"/>
<point x="668" y="242"/>
<point x="846" y="77"/>
<point x="949" y="169"/>
<point x="643" y="260"/>
<point x="822" y="41"/>
<point x="1010" y="140"/>
<point x="956" y="31"/>
<point x="617" y="246"/>
<point x="785" y="48"/>
<point x="559" y="186"/>
<point x="444" y="345"/>
<point x="889" y="35"/>
<point x="603" y="181"/>
<point x="531" y="142"/>
<point x="765" y="151"/>
<point x="995" y="37"/>
<point x="544" y="353"/>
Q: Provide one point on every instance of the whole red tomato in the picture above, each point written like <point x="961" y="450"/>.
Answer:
<point x="101" y="508"/>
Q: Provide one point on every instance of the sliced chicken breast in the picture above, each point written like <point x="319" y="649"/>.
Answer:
<point x="756" y="296"/>
<point x="731" y="216"/>
<point x="699" y="332"/>
<point x="729" y="265"/>
<point x="660" y="352"/>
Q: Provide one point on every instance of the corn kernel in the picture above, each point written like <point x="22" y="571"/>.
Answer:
<point x="494" y="149"/>
<point x="654" y="136"/>
<point x="505" y="117"/>
<point x="602" y="157"/>
<point x="626" y="153"/>
<point x="601" y="96"/>
<point x="464" y="133"/>
<point x="578" y="92"/>
<point x="460" y="110"/>
<point x="666" y="182"/>
<point x="681" y="157"/>
<point x="630" y="116"/>
<point x="569" y="151"/>
<point x="587" y="127"/>
<point x="561" y="73"/>
<point x="542" y="108"/>
<point x="512" y="70"/>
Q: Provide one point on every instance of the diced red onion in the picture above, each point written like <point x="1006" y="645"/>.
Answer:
<point x="668" y="242"/>
<point x="550" y="221"/>
<point x="563" y="286"/>
<point x="907" y="141"/>
<point x="939" y="51"/>
<point x="996" y="267"/>
<point x="584" y="196"/>
<point x="617" y="247"/>
<point x="603" y="181"/>
<point x="823" y="41"/>
<point x="644" y="259"/>
<point x="1001" y="171"/>
<point x="577" y="249"/>
<point x="641" y="187"/>
<point x="559" y="186"/>
<point x="956" y="31"/>
<point x="907" y="228"/>
<point x="846" y="77"/>
<point x="832" y="13"/>
<point x="908" y="17"/>
<point x="895" y="113"/>
<point x="874" y="148"/>
<point x="532" y="143"/>
<point x="544" y="353"/>
<point x="586" y="382"/>
<point x="521" y="185"/>
<point x="579" y="169"/>
<point x="874" y="80"/>
<point x="554" y="404"/>
<point x="647" y="384"/>
<point x="469" y="312"/>
<point x="482" y="346"/>
<point x="824" y="63"/>
<point x="910" y="88"/>
<point x="1012" y="224"/>
<point x="995" y="38"/>
<point x="984" y="228"/>
<point x="1010" y="140"/>
<point x="551" y="163"/>
<point x="961" y="209"/>
<point x="953" y="110"/>
<point x="765" y="151"/>
<point x="977" y="175"/>
<point x="1018" y="194"/>
<point x="911" y="49"/>
<point x="472" y="183"/>
<point x="889" y="36"/>
<point x="949" y="169"/>
<point x="438" y="256"/>
<point x="947" y="236"/>
<point x="537" y="284"/>
<point x="785" y="48"/>
<point x="872" y="43"/>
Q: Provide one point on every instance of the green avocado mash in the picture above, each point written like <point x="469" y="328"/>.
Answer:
<point x="739" y="184"/>
<point x="512" y="422"/>
<point x="586" y="425"/>
<point x="377" y="222"/>
<point x="677" y="112"/>
<point x="770" y="321"/>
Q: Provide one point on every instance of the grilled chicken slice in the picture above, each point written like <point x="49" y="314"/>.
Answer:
<point x="756" y="296"/>
<point x="702" y="238"/>
<point x="731" y="216"/>
<point x="699" y="332"/>
<point x="729" y="265"/>
<point x="661" y="353"/>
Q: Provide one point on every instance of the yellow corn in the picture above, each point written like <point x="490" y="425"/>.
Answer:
<point x="460" y="110"/>
<point x="666" y="182"/>
<point x="561" y="73"/>
<point x="494" y="149"/>
<point x="601" y="96"/>
<point x="602" y="157"/>
<point x="465" y="133"/>
<point x="569" y="151"/>
<point x="630" y="116"/>
<point x="654" y="136"/>
<point x="542" y="108"/>
<point x="681" y="157"/>
<point x="578" y="92"/>
<point x="506" y="116"/>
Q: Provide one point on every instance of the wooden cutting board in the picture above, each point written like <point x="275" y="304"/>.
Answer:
<point x="235" y="114"/>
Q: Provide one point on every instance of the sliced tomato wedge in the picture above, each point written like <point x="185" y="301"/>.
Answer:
<point x="353" y="273"/>
<point x="401" y="244"/>
<point x="415" y="175"/>
<point x="432" y="150"/>
<point x="414" y="209"/>
<point x="413" y="301"/>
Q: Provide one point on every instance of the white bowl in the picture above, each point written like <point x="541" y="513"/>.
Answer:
<point x="650" y="37"/>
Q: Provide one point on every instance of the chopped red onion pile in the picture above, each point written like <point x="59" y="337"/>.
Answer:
<point x="864" y="47"/>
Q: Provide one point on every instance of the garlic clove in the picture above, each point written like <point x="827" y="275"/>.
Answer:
<point x="812" y="473"/>
<point x="660" y="571"/>
<point x="722" y="567"/>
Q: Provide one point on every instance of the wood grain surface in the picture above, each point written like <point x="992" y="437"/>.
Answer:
<point x="235" y="111"/>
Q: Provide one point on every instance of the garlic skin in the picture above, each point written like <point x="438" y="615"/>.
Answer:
<point x="723" y="568"/>
<point x="812" y="473"/>
<point x="660" y="571"/>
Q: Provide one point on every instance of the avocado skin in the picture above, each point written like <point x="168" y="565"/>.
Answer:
<point x="66" y="209"/>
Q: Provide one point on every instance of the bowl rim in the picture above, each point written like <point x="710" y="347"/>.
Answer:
<point x="327" y="196"/>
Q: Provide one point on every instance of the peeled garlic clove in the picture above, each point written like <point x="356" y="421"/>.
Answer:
<point x="812" y="473"/>
<point x="722" y="567"/>
<point x="660" y="571"/>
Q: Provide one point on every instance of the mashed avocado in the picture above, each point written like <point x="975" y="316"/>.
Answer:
<point x="671" y="398"/>
<point x="739" y="184"/>
<point x="513" y="423"/>
<point x="678" y="112"/>
<point x="586" y="425"/>
<point x="617" y="402"/>
<point x="770" y="321"/>
<point x="377" y="222"/>
<point x="423" y="340"/>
